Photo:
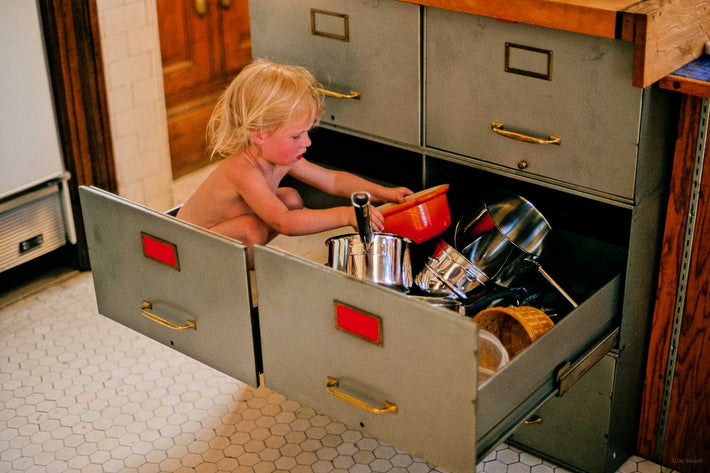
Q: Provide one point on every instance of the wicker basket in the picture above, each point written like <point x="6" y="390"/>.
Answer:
<point x="515" y="327"/>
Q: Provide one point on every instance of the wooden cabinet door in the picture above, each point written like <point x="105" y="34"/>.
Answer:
<point x="184" y="46"/>
<point x="204" y="44"/>
<point x="236" y="36"/>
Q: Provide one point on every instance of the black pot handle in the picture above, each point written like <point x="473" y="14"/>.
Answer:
<point x="361" y="203"/>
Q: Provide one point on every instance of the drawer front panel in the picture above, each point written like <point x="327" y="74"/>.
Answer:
<point x="426" y="364"/>
<point x="353" y="46"/>
<point x="589" y="103"/>
<point x="573" y="429"/>
<point x="184" y="273"/>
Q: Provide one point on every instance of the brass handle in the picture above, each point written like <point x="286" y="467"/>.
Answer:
<point x="331" y="383"/>
<point x="498" y="128"/>
<point x="201" y="8"/>
<point x="156" y="318"/>
<point x="225" y="4"/>
<point x="534" y="419"/>
<point x="337" y="95"/>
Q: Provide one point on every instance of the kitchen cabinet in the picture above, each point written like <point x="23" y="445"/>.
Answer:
<point x="365" y="54"/>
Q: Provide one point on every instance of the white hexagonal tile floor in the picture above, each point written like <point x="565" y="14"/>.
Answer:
<point x="80" y="393"/>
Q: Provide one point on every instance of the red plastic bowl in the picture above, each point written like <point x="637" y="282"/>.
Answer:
<point x="422" y="216"/>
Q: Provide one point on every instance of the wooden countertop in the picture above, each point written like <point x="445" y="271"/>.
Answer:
<point x="667" y="34"/>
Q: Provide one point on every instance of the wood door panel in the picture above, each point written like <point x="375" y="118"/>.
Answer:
<point x="236" y="37"/>
<point x="186" y="132"/>
<point x="200" y="55"/>
<point x="185" y="46"/>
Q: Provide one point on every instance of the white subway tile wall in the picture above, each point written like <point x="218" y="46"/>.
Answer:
<point x="134" y="83"/>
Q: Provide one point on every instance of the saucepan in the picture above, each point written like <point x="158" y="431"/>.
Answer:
<point x="505" y="238"/>
<point x="381" y="258"/>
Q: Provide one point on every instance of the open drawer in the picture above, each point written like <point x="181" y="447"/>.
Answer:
<point x="176" y="283"/>
<point x="407" y="372"/>
<point x="189" y="289"/>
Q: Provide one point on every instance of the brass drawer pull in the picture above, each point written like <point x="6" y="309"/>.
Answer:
<point x="337" y="95"/>
<point x="498" y="128"/>
<point x="331" y="383"/>
<point x="534" y="419"/>
<point x="166" y="323"/>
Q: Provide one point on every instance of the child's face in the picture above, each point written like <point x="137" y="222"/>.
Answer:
<point x="286" y="145"/>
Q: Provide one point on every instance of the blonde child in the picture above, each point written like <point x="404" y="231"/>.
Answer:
<point x="260" y="125"/>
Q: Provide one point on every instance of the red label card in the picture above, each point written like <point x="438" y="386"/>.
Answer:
<point x="358" y="323"/>
<point x="160" y="250"/>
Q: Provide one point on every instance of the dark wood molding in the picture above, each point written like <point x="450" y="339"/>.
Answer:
<point x="72" y="40"/>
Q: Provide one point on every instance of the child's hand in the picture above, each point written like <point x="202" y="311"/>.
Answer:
<point x="394" y="194"/>
<point x="377" y="220"/>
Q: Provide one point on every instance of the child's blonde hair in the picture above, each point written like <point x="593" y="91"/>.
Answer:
<point x="264" y="96"/>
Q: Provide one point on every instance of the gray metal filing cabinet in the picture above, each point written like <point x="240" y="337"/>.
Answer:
<point x="410" y="377"/>
<point x="548" y="109"/>
<point x="365" y="53"/>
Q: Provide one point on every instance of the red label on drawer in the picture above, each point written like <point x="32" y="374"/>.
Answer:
<point x="160" y="250"/>
<point x="358" y="323"/>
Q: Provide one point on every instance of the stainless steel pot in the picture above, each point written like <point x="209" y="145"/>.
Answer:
<point x="505" y="238"/>
<point x="508" y="228"/>
<point x="447" y="273"/>
<point x="382" y="258"/>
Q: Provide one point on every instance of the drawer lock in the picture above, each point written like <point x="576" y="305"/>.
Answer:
<point x="332" y="383"/>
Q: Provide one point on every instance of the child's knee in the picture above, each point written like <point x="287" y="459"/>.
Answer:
<point x="255" y="232"/>
<point x="290" y="197"/>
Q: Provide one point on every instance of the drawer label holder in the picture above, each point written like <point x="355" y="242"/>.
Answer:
<point x="356" y="322"/>
<point x="521" y="59"/>
<point x="330" y="20"/>
<point x="160" y="250"/>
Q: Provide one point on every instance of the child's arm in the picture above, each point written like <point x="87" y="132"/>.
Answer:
<point x="343" y="183"/>
<point x="261" y="200"/>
